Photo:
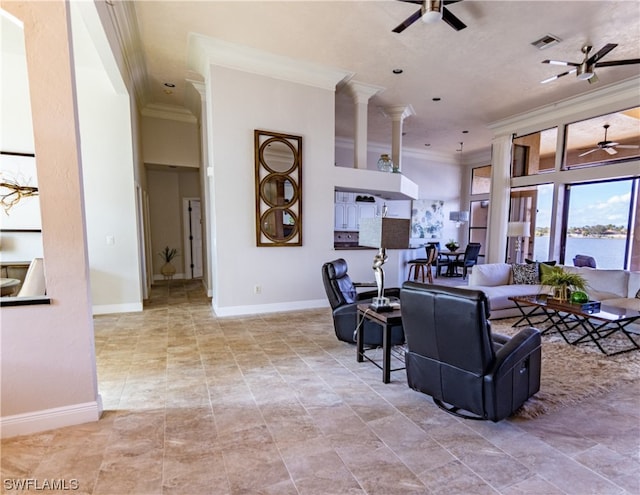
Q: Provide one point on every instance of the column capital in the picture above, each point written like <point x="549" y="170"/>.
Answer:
<point x="398" y="112"/>
<point x="362" y="92"/>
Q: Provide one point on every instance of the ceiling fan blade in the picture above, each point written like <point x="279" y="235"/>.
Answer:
<point x="590" y="151"/>
<point x="611" y="151"/>
<point x="449" y="2"/>
<point x="408" y="21"/>
<point x="628" y="146"/>
<point x="419" y="2"/>
<point x="611" y="63"/>
<point x="560" y="62"/>
<point x="452" y="20"/>
<point x="553" y="78"/>
<point x="603" y="51"/>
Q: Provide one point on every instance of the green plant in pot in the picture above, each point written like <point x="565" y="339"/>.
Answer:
<point x="452" y="245"/>
<point x="565" y="284"/>
<point x="167" y="254"/>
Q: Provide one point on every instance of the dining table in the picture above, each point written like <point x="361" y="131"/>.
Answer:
<point x="452" y="258"/>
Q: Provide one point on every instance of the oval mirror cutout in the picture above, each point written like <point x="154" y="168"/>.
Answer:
<point x="279" y="224"/>
<point x="278" y="156"/>
<point x="278" y="190"/>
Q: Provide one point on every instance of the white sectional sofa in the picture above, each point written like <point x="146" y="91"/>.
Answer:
<point x="612" y="287"/>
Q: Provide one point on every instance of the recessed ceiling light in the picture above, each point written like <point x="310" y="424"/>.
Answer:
<point x="437" y="98"/>
<point x="465" y="132"/>
<point x="427" y="144"/>
<point x="397" y="71"/>
<point x="546" y="41"/>
<point x="169" y="85"/>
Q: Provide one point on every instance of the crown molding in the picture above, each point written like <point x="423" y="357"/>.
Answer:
<point x="125" y="27"/>
<point x="168" y="112"/>
<point x="205" y="51"/>
<point x="598" y="101"/>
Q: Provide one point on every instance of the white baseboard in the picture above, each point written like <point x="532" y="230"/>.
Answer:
<point x="105" y="309"/>
<point x="49" y="419"/>
<point x="269" y="308"/>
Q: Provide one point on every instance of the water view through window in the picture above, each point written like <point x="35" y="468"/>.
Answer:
<point x="598" y="223"/>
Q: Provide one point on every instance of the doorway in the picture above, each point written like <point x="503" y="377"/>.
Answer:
<point x="192" y="221"/>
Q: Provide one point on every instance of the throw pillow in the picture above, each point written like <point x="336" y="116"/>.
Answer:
<point x="638" y="294"/>
<point x="525" y="274"/>
<point x="544" y="269"/>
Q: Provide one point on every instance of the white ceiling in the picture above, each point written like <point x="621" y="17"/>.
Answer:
<point x="486" y="72"/>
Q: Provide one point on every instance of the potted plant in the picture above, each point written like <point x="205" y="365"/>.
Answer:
<point x="452" y="245"/>
<point x="563" y="282"/>
<point x="167" y="254"/>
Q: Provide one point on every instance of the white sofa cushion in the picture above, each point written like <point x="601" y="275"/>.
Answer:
<point x="499" y="295"/>
<point x="634" y="284"/>
<point x="623" y="302"/>
<point x="603" y="284"/>
<point x="491" y="274"/>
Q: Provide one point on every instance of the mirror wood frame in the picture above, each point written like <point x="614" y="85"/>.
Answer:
<point x="278" y="186"/>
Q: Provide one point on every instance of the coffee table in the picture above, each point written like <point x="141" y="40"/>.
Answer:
<point x="568" y="319"/>
<point x="386" y="321"/>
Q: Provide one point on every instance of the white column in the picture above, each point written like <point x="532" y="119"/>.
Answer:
<point x="499" y="204"/>
<point x="361" y="94"/>
<point x="397" y="113"/>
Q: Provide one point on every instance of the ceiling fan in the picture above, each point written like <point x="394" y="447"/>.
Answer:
<point x="585" y="70"/>
<point x="609" y="146"/>
<point x="431" y="11"/>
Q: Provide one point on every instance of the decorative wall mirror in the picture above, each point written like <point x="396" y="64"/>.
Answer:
<point x="278" y="162"/>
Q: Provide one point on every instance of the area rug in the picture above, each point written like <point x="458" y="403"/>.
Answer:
<point x="572" y="373"/>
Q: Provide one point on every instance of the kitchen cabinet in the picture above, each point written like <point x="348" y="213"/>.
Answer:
<point x="345" y="216"/>
<point x="348" y="211"/>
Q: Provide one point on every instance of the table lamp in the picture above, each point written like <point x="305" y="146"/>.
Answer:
<point x="518" y="230"/>
<point x="383" y="233"/>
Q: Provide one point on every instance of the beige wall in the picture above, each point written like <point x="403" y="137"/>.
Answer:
<point x="167" y="188"/>
<point x="47" y="355"/>
<point x="170" y="142"/>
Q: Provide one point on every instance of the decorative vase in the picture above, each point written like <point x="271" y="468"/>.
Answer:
<point x="452" y="247"/>
<point x="561" y="293"/>
<point x="168" y="270"/>
<point x="579" y="297"/>
<point x="385" y="164"/>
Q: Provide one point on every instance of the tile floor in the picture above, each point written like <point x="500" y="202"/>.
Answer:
<point x="274" y="404"/>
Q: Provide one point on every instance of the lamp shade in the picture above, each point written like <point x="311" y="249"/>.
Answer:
<point x="459" y="216"/>
<point x="384" y="232"/>
<point x="518" y="229"/>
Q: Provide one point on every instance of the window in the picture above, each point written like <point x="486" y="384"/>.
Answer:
<point x="603" y="140"/>
<point x="481" y="180"/>
<point x="534" y="153"/>
<point x="599" y="222"/>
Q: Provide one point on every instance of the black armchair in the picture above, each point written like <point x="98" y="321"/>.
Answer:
<point x="344" y="299"/>
<point x="453" y="356"/>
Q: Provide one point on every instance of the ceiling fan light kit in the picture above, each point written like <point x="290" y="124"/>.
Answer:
<point x="585" y="70"/>
<point x="431" y="12"/>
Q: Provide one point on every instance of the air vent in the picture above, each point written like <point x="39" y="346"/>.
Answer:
<point x="546" y="41"/>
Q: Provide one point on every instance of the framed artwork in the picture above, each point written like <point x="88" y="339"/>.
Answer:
<point x="19" y="200"/>
<point x="427" y="218"/>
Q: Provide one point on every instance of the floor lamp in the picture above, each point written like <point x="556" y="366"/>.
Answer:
<point x="518" y="230"/>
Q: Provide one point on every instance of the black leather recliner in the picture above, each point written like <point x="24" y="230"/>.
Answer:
<point x="453" y="356"/>
<point x="344" y="300"/>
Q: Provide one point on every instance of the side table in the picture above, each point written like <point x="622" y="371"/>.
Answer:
<point x="386" y="321"/>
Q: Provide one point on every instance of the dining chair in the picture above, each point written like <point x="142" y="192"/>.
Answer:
<point x="34" y="281"/>
<point x="421" y="265"/>
<point x="469" y="259"/>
